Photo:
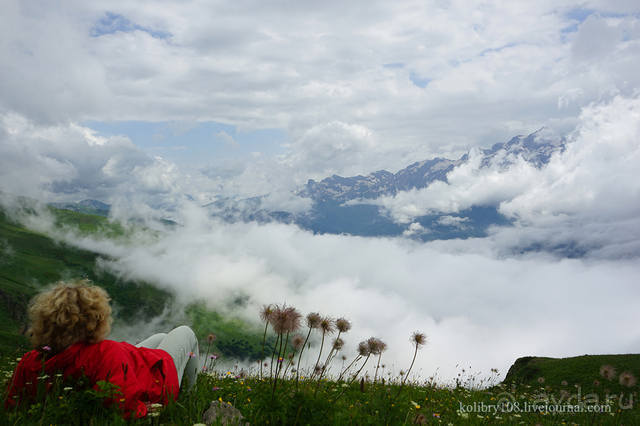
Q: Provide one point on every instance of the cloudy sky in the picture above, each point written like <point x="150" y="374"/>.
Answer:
<point x="148" y="105"/>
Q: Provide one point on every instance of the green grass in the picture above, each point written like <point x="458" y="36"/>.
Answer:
<point x="331" y="402"/>
<point x="582" y="370"/>
<point x="235" y="338"/>
<point x="87" y="224"/>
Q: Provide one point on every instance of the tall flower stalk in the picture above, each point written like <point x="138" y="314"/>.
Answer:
<point x="265" y="315"/>
<point x="371" y="346"/>
<point x="313" y="321"/>
<point x="419" y="340"/>
<point x="383" y="347"/>
<point x="297" y="343"/>
<point x="284" y="321"/>
<point x="210" y="339"/>
<point x="327" y="325"/>
<point x="343" y="325"/>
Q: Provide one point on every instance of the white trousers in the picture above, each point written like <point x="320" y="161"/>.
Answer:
<point x="181" y="343"/>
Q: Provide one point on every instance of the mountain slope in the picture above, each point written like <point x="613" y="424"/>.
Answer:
<point x="30" y="260"/>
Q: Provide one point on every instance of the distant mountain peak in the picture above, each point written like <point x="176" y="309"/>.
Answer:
<point x="536" y="148"/>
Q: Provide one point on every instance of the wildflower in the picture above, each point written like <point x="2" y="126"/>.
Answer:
<point x="46" y="348"/>
<point x="436" y="415"/>
<point x="213" y="356"/>
<point x="192" y="355"/>
<point x="327" y="325"/>
<point x="596" y="382"/>
<point x="313" y="320"/>
<point x="419" y="338"/>
<point x="285" y="319"/>
<point x="338" y="343"/>
<point x="564" y="383"/>
<point x="608" y="372"/>
<point x="211" y="337"/>
<point x="375" y="345"/>
<point x="627" y="379"/>
<point x="297" y="341"/>
<point x="67" y="388"/>
<point x="266" y="312"/>
<point x="541" y="380"/>
<point x="343" y="325"/>
<point x="363" y="348"/>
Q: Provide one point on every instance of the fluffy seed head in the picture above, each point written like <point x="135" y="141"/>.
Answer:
<point x="343" y="325"/>
<point x="627" y="379"/>
<point x="285" y="319"/>
<point x="418" y="339"/>
<point x="293" y="318"/>
<point x="375" y="345"/>
<point x="297" y="341"/>
<point x="363" y="348"/>
<point x="266" y="312"/>
<point x="327" y="325"/>
<point x="313" y="320"/>
<point x="608" y="372"/>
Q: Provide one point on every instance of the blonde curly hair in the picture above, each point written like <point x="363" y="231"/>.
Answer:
<point x="69" y="312"/>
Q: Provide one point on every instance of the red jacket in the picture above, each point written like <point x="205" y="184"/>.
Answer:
<point x="144" y="375"/>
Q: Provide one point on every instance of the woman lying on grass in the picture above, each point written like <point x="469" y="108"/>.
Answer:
<point x="69" y="324"/>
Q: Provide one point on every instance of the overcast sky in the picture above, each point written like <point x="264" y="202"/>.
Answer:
<point x="147" y="105"/>
<point x="333" y="86"/>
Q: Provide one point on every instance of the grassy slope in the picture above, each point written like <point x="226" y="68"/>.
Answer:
<point x="581" y="370"/>
<point x="30" y="260"/>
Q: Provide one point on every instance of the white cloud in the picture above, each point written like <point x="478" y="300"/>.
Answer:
<point x="587" y="195"/>
<point x="333" y="148"/>
<point x="414" y="229"/>
<point x="70" y="162"/>
<point x="477" y="309"/>
<point x="499" y="69"/>
<point x="317" y="71"/>
<point x="455" y="221"/>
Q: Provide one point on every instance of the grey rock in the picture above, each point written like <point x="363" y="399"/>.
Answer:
<point x="222" y="413"/>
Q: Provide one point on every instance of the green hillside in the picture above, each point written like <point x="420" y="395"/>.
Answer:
<point x="30" y="260"/>
<point x="583" y="371"/>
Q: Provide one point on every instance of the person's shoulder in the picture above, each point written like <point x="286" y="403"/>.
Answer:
<point x="113" y="347"/>
<point x="31" y="357"/>
<point x="110" y="345"/>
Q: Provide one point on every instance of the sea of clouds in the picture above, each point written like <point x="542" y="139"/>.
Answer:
<point x="481" y="303"/>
